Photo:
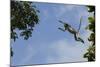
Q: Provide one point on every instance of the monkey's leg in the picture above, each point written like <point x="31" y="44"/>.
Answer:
<point x="75" y="37"/>
<point x="61" y="29"/>
<point x="81" y="40"/>
<point x="78" y="38"/>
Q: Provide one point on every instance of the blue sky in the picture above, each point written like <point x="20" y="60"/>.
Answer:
<point x="50" y="45"/>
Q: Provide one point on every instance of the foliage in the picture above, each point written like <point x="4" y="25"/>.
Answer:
<point x="24" y="17"/>
<point x="11" y="52"/>
<point x="90" y="54"/>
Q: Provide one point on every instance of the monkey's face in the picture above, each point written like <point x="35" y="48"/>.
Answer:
<point x="66" y="26"/>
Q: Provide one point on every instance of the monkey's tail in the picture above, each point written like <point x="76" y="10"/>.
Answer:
<point x="80" y="24"/>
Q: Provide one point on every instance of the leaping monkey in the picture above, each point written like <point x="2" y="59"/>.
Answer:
<point x="72" y="30"/>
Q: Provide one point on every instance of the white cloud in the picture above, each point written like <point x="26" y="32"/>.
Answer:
<point x="66" y="52"/>
<point x="30" y="52"/>
<point x="61" y="10"/>
<point x="57" y="52"/>
<point x="45" y="14"/>
<point x="83" y="13"/>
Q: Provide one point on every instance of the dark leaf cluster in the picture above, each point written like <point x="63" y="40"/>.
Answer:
<point x="90" y="54"/>
<point x="24" y="17"/>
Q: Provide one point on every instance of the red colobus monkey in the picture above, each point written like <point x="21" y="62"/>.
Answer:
<point x="71" y="30"/>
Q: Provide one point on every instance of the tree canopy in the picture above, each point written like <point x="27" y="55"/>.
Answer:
<point x="90" y="54"/>
<point x="24" y="17"/>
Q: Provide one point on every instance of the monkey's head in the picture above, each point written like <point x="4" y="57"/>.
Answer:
<point x="66" y="26"/>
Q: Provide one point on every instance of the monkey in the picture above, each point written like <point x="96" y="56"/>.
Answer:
<point x="71" y="30"/>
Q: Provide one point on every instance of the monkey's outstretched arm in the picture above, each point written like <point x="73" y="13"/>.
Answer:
<point x="61" y="29"/>
<point x="61" y="22"/>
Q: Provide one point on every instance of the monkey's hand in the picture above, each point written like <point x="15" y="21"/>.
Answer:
<point x="61" y="29"/>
